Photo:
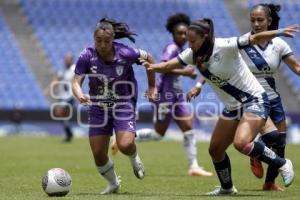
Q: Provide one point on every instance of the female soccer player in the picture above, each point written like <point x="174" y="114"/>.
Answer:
<point x="171" y="101"/>
<point x="112" y="96"/>
<point x="220" y="63"/>
<point x="264" y="59"/>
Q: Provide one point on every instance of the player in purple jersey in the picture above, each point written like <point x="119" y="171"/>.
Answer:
<point x="171" y="97"/>
<point x="246" y="103"/>
<point x="112" y="96"/>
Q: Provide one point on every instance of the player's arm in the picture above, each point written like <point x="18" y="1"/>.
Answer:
<point x="293" y="64"/>
<point x="268" y="35"/>
<point x="77" y="91"/>
<point x="162" y="67"/>
<point x="152" y="91"/>
<point x="187" y="71"/>
<point x="195" y="91"/>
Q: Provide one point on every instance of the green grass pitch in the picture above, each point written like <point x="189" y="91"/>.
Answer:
<point x="24" y="160"/>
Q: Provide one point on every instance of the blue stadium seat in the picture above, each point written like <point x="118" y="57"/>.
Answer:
<point x="17" y="83"/>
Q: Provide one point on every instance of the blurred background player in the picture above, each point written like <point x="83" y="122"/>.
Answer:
<point x="112" y="102"/>
<point x="246" y="103"/>
<point x="169" y="94"/>
<point x="264" y="60"/>
<point x="62" y="91"/>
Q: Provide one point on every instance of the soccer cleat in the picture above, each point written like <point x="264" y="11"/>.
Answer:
<point x="271" y="186"/>
<point x="138" y="168"/>
<point x="256" y="167"/>
<point x="114" y="148"/>
<point x="112" y="188"/>
<point x="198" y="172"/>
<point x="287" y="173"/>
<point x="220" y="191"/>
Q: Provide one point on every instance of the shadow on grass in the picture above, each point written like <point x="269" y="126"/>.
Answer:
<point x="138" y="194"/>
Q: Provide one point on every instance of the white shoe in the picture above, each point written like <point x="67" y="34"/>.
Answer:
<point x="287" y="173"/>
<point x="199" y="171"/>
<point x="112" y="188"/>
<point x="220" y="191"/>
<point x="138" y="168"/>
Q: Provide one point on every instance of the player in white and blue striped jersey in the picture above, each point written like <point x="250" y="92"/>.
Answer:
<point x="264" y="60"/>
<point x="246" y="102"/>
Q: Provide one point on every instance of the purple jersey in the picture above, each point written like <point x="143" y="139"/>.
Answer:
<point x="110" y="82"/>
<point x="168" y="81"/>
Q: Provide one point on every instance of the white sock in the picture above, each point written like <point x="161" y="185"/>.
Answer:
<point x="134" y="157"/>
<point x="189" y="144"/>
<point x="147" y="134"/>
<point x="108" y="172"/>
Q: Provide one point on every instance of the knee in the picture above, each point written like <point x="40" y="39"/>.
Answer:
<point x="100" y="158"/>
<point x="126" y="146"/>
<point x="214" y="152"/>
<point x="240" y="145"/>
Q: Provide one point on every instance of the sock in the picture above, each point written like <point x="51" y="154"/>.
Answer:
<point x="263" y="153"/>
<point x="270" y="138"/>
<point x="134" y="157"/>
<point x="108" y="172"/>
<point x="189" y="144"/>
<point x="147" y="134"/>
<point x="279" y="147"/>
<point x="223" y="169"/>
<point x="67" y="128"/>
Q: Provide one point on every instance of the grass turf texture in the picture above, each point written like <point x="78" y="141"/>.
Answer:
<point x="24" y="160"/>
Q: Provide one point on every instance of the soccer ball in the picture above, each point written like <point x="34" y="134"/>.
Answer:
<point x="57" y="182"/>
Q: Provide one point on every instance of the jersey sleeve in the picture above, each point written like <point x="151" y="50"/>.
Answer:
<point x="82" y="65"/>
<point x="134" y="54"/>
<point x="186" y="57"/>
<point x="169" y="52"/>
<point x="285" y="50"/>
<point x="234" y="43"/>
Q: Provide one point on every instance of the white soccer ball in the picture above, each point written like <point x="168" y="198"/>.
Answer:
<point x="57" y="182"/>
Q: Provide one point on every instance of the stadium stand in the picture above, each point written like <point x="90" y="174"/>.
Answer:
<point x="60" y="28"/>
<point x="18" y="87"/>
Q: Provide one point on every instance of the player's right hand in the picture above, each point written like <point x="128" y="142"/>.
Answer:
<point x="84" y="99"/>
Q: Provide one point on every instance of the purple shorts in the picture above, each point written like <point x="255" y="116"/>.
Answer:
<point x="172" y="106"/>
<point x="104" y="121"/>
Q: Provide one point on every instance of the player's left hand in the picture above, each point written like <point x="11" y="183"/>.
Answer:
<point x="290" y="30"/>
<point x="152" y="93"/>
<point x="193" y="93"/>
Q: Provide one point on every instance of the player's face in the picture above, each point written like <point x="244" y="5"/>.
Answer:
<point x="195" y="40"/>
<point x="259" y="20"/>
<point x="103" y="41"/>
<point x="179" y="34"/>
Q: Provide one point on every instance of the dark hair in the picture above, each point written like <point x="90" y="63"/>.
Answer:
<point x="271" y="10"/>
<point x="204" y="26"/>
<point x="175" y="20"/>
<point x="120" y="29"/>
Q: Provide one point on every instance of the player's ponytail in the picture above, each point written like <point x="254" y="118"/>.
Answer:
<point x="120" y="29"/>
<point x="204" y="27"/>
<point x="274" y="9"/>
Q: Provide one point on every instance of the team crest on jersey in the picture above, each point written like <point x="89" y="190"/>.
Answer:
<point x="119" y="70"/>
<point x="216" y="57"/>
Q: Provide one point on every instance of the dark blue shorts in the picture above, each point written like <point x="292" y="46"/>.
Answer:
<point x="260" y="107"/>
<point x="277" y="113"/>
